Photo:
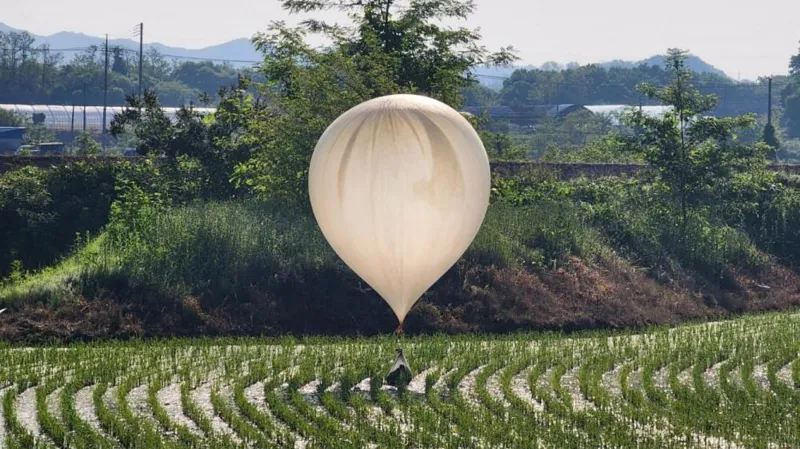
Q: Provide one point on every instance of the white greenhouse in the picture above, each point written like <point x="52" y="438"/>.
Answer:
<point x="71" y="118"/>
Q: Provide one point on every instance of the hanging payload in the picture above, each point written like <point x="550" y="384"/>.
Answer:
<point x="400" y="373"/>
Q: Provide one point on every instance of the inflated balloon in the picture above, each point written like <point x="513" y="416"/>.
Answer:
<point x="400" y="186"/>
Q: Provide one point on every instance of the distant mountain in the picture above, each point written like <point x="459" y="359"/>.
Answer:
<point x="236" y="50"/>
<point x="694" y="63"/>
<point x="243" y="50"/>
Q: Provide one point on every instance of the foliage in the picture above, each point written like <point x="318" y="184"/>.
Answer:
<point x="568" y="134"/>
<point x="593" y="84"/>
<point x="31" y="74"/>
<point x="792" y="113"/>
<point x="794" y="64"/>
<point x="770" y="138"/>
<point x="221" y="247"/>
<point x="42" y="210"/>
<point x="637" y="224"/>
<point x="698" y="159"/>
<point x="539" y="235"/>
<point x="790" y="98"/>
<point x="212" y="141"/>
<point x="387" y="51"/>
<point x="36" y="134"/>
<point x="11" y="118"/>
<point x="503" y="147"/>
<point x="598" y="150"/>
<point x="85" y="145"/>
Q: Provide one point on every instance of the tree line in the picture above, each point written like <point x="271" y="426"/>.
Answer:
<point x="593" y="84"/>
<point x="37" y="74"/>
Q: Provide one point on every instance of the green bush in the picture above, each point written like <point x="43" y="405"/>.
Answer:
<point x="775" y="227"/>
<point x="652" y="233"/>
<point x="536" y="235"/>
<point x="217" y="247"/>
<point x="43" y="211"/>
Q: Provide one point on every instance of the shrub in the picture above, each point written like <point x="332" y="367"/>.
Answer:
<point x="43" y="211"/>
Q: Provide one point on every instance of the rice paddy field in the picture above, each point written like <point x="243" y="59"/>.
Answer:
<point x="732" y="384"/>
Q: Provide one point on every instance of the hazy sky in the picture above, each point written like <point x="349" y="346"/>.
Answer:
<point x="743" y="38"/>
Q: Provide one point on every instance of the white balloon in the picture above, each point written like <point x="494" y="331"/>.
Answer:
<point x="399" y="186"/>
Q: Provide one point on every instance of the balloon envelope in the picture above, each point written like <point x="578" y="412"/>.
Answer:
<point x="399" y="186"/>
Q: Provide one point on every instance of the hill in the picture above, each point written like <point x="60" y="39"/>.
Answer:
<point x="492" y="77"/>
<point x="239" y="50"/>
<point x="695" y="63"/>
<point x="242" y="52"/>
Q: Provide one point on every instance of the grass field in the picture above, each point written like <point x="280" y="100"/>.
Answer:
<point x="732" y="384"/>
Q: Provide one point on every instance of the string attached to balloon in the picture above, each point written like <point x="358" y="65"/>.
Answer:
<point x="399" y="186"/>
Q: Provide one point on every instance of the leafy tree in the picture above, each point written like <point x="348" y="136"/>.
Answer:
<point x="794" y="65"/>
<point x="36" y="134"/>
<point x="388" y="50"/>
<point x="599" y="150"/>
<point x="119" y="64"/>
<point x="792" y="114"/>
<point x="698" y="159"/>
<point x="213" y="140"/>
<point x="770" y="138"/>
<point x="791" y="98"/>
<point x="85" y="145"/>
<point x="593" y="84"/>
<point x="569" y="133"/>
<point x="31" y="74"/>
<point x="11" y="118"/>
<point x="145" y="118"/>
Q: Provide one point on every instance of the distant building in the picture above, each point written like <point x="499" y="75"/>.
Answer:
<point x="10" y="138"/>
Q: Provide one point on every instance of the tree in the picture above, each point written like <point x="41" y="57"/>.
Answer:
<point x="770" y="138"/>
<point x="791" y="98"/>
<point x="38" y="133"/>
<point x="792" y="113"/>
<point x="85" y="145"/>
<point x="794" y="65"/>
<point x="593" y="84"/>
<point x="119" y="64"/>
<point x="697" y="158"/>
<point x="149" y="123"/>
<point x="568" y="134"/>
<point x="11" y="118"/>
<point x="215" y="140"/>
<point x="388" y="50"/>
<point x="32" y="74"/>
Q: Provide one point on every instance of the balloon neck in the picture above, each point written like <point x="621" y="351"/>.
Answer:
<point x="399" y="331"/>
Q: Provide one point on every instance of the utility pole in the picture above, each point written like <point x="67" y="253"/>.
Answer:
<point x="769" y="102"/>
<point x="141" y="53"/>
<point x="105" y="87"/>
<point x="44" y="68"/>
